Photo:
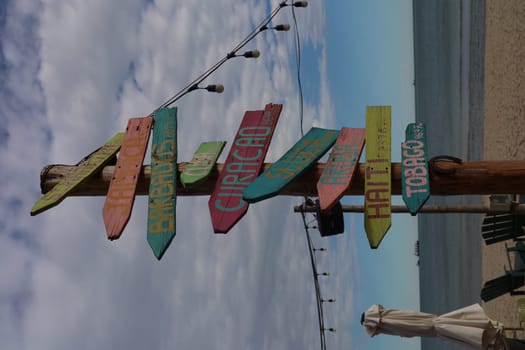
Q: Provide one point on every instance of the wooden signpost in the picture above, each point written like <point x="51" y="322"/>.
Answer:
<point x="202" y="163"/>
<point x="243" y="165"/>
<point x="86" y="168"/>
<point x="378" y="177"/>
<point x="163" y="183"/>
<point x="304" y="153"/>
<point x="446" y="179"/>
<point x="415" y="172"/>
<point x="235" y="182"/>
<point x="340" y="166"/>
<point x="121" y="192"/>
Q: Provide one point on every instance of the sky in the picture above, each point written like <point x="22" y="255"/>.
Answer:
<point x="73" y="72"/>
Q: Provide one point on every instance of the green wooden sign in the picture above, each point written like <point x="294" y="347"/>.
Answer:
<point x="415" y="181"/>
<point x="86" y="168"/>
<point x="304" y="153"/>
<point x="163" y="181"/>
<point x="202" y="163"/>
<point x="378" y="181"/>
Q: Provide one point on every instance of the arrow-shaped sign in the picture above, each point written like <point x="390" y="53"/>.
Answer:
<point x="123" y="185"/>
<point x="340" y="167"/>
<point x="163" y="181"/>
<point x="86" y="168"/>
<point x="378" y="182"/>
<point x="243" y="164"/>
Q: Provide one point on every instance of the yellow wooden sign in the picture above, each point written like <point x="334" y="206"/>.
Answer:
<point x="85" y="169"/>
<point x="378" y="181"/>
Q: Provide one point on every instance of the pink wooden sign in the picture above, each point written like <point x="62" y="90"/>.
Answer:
<point x="340" y="167"/>
<point x="243" y="164"/>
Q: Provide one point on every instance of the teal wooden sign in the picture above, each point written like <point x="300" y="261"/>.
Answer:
<point x="163" y="181"/>
<point x="415" y="180"/>
<point x="304" y="153"/>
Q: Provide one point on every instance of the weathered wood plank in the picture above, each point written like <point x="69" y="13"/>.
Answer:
<point x="341" y="165"/>
<point x="85" y="169"/>
<point x="202" y="163"/>
<point x="415" y="173"/>
<point x="476" y="177"/>
<point x="296" y="160"/>
<point x="163" y="185"/>
<point x="121" y="193"/>
<point x="378" y="174"/>
<point x="243" y="164"/>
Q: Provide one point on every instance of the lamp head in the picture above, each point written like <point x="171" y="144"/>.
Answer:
<point x="218" y="88"/>
<point x="300" y="4"/>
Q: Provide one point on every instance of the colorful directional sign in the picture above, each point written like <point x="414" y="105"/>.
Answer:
<point x="415" y="181"/>
<point x="163" y="181"/>
<point x="304" y="153"/>
<point x="85" y="169"/>
<point x="339" y="169"/>
<point x="123" y="185"/>
<point x="202" y="163"/>
<point x="378" y="181"/>
<point x="242" y="166"/>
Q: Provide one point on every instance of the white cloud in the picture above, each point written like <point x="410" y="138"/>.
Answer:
<point x="81" y="70"/>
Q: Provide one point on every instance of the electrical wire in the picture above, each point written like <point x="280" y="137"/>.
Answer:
<point x="194" y="83"/>
<point x="298" y="66"/>
<point x="313" y="262"/>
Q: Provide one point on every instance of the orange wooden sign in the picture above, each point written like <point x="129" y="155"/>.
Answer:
<point x="123" y="186"/>
<point x="378" y="181"/>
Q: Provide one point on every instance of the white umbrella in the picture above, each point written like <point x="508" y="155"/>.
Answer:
<point x="469" y="325"/>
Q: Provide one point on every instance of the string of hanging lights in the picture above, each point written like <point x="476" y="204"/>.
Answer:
<point x="263" y="26"/>
<point x="313" y="261"/>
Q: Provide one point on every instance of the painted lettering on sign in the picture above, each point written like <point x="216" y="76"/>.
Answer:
<point x="123" y="186"/>
<point x="304" y="153"/>
<point x="342" y="161"/>
<point x="202" y="163"/>
<point x="83" y="171"/>
<point x="377" y="192"/>
<point x="161" y="200"/>
<point x="414" y="167"/>
<point x="163" y="181"/>
<point x="242" y="166"/>
<point x="340" y="167"/>
<point x="378" y="182"/>
<point x="162" y="186"/>
<point x="299" y="157"/>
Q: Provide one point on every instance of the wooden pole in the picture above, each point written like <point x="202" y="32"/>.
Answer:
<point x="429" y="209"/>
<point x="446" y="178"/>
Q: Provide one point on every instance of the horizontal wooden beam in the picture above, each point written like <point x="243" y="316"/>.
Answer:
<point x="446" y="178"/>
<point x="427" y="209"/>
